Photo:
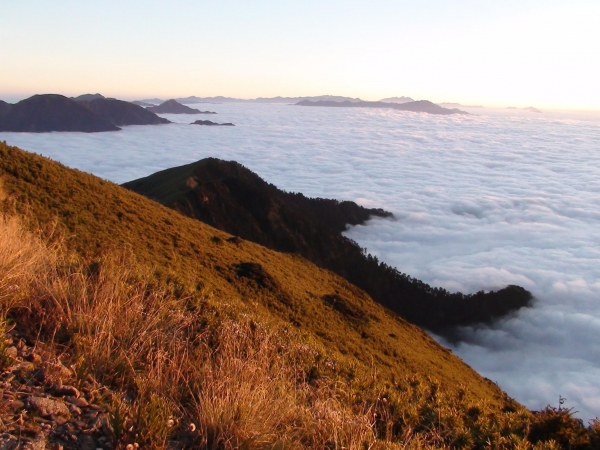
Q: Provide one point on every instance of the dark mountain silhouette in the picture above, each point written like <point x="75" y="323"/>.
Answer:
<point x="221" y="99"/>
<point x="230" y="197"/>
<point x="458" y="105"/>
<point x="141" y="103"/>
<point x="419" y="106"/>
<point x="51" y="112"/>
<point x="396" y="100"/>
<point x="149" y="102"/>
<point x="174" y="107"/>
<point x="4" y="108"/>
<point x="120" y="113"/>
<point x="331" y="98"/>
<point x="87" y="97"/>
<point x="209" y="123"/>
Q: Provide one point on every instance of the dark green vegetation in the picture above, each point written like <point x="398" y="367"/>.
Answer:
<point x="228" y="196"/>
<point x="173" y="107"/>
<point x="188" y="337"/>
<point x="51" y="112"/>
<point x="418" y="106"/>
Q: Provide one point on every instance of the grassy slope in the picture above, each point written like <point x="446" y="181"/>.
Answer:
<point x="230" y="197"/>
<point x="98" y="215"/>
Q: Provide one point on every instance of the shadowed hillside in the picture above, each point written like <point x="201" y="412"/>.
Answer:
<point x="173" y="107"/>
<point x="122" y="113"/>
<point x="4" y="108"/>
<point x="88" y="113"/>
<point x="50" y="112"/>
<point x="230" y="197"/>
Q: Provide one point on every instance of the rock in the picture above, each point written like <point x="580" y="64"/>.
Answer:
<point x="68" y="391"/>
<point x="54" y="373"/>
<point x="86" y="442"/>
<point x="48" y="407"/>
<point x="80" y="402"/>
<point x="37" y="443"/>
<point x="74" y="410"/>
<point x="15" y="405"/>
<point x="8" y="442"/>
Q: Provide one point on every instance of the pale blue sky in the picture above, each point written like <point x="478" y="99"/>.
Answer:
<point x="521" y="53"/>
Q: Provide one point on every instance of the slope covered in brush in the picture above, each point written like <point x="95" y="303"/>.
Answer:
<point x="126" y="325"/>
<point x="230" y="197"/>
<point x="97" y="215"/>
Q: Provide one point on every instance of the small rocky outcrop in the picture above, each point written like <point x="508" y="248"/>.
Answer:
<point x="210" y="123"/>
<point x="41" y="407"/>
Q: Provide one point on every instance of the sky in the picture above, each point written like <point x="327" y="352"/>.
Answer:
<point x="541" y="53"/>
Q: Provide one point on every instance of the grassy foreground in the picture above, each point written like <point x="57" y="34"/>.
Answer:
<point x="229" y="346"/>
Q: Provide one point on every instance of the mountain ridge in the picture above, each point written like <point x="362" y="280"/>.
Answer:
<point x="230" y="197"/>
<point x="417" y="106"/>
<point x="97" y="215"/>
<point x="88" y="113"/>
<point x="174" y="107"/>
<point x="155" y="330"/>
<point x="51" y="112"/>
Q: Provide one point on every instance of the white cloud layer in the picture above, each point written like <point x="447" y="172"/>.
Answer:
<point x="480" y="202"/>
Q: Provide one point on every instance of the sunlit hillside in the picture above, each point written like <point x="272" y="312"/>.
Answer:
<point x="154" y="330"/>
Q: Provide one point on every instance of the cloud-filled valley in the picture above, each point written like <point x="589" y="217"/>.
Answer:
<point x="479" y="202"/>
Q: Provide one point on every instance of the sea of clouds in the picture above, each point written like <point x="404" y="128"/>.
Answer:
<point x="480" y="201"/>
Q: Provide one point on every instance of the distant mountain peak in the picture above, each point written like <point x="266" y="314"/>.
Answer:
<point x="87" y="97"/>
<point x="419" y="106"/>
<point x="173" y="107"/>
<point x="397" y="100"/>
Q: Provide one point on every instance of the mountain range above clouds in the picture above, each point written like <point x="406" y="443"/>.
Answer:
<point x="398" y="103"/>
<point x="174" y="107"/>
<point x="96" y="113"/>
<point x="89" y="113"/>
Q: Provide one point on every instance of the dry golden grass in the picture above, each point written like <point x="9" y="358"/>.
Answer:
<point x="201" y="355"/>
<point x="190" y="373"/>
<point x="22" y="257"/>
<point x="240" y="384"/>
<point x="190" y="258"/>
